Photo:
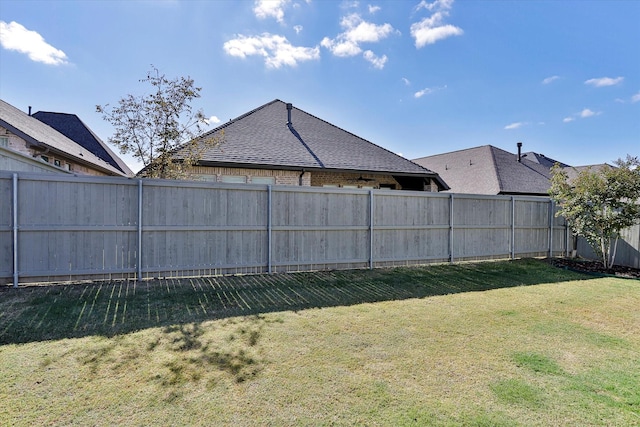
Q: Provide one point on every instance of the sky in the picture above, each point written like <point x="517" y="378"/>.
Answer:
<point x="416" y="77"/>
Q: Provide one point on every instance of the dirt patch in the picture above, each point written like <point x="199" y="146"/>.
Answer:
<point x="593" y="267"/>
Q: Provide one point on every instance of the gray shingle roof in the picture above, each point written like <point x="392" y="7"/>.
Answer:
<point x="543" y="160"/>
<point x="488" y="170"/>
<point x="574" y="171"/>
<point x="73" y="128"/>
<point x="40" y="134"/>
<point x="262" y="138"/>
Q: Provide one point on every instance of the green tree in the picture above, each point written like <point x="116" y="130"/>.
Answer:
<point x="156" y="126"/>
<point x="598" y="204"/>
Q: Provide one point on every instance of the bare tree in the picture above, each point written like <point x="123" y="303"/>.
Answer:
<point x="157" y="126"/>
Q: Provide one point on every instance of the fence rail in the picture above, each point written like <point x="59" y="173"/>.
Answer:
<point x="57" y="228"/>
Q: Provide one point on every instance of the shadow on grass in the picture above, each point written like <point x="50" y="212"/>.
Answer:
<point x="37" y="313"/>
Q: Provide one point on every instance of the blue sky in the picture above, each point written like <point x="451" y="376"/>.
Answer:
<point x="416" y="77"/>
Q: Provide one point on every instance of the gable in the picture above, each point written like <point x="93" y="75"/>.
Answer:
<point x="265" y="138"/>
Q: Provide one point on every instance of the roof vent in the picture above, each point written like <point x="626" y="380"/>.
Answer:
<point x="289" y="108"/>
<point x="519" y="151"/>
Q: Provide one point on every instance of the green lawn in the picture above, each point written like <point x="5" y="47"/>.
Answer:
<point x="496" y="343"/>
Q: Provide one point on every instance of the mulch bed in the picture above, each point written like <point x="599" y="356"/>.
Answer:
<point x="593" y="267"/>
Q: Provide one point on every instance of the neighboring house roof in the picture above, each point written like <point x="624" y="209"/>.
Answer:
<point x="543" y="160"/>
<point x="39" y="134"/>
<point x="263" y="138"/>
<point x="573" y="171"/>
<point x="489" y="170"/>
<point x="73" y="128"/>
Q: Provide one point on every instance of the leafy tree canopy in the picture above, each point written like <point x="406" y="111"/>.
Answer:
<point x="599" y="202"/>
<point x="155" y="126"/>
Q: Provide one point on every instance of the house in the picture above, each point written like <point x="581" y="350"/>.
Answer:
<point x="27" y="137"/>
<point x="73" y="128"/>
<point x="280" y="144"/>
<point x="490" y="170"/>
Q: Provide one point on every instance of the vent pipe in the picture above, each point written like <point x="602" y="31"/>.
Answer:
<point x="519" y="151"/>
<point x="289" y="108"/>
<point x="29" y="109"/>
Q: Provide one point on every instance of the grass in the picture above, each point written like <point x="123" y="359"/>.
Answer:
<point x="489" y="344"/>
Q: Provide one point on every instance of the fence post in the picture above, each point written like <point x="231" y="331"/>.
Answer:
<point x="15" y="229"/>
<point x="269" y="228"/>
<point x="566" y="238"/>
<point x="451" y="227"/>
<point x="551" y="216"/>
<point x="513" y="228"/>
<point x="139" y="261"/>
<point x="371" y="229"/>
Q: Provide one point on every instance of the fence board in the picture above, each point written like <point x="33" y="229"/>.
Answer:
<point x="74" y="228"/>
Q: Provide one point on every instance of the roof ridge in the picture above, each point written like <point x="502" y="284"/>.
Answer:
<point x="495" y="166"/>
<point x="359" y="137"/>
<point x="121" y="163"/>
<point x="455" y="151"/>
<point x="234" y="120"/>
<point x="54" y="112"/>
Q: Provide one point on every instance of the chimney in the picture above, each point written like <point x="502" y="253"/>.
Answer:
<point x="519" y="151"/>
<point x="29" y="109"/>
<point x="289" y="108"/>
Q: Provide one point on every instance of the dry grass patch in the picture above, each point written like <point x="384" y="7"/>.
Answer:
<point x="557" y="353"/>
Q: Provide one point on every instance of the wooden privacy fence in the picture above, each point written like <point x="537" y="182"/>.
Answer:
<point x="57" y="228"/>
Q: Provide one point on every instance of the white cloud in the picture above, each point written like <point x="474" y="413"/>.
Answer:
<point x="425" y="35"/>
<point x="423" y="92"/>
<point x="357" y="31"/>
<point x="276" y="50"/>
<point x="636" y="97"/>
<point x="515" y="125"/>
<point x="374" y="9"/>
<point x="587" y="113"/>
<point x="604" y="81"/>
<point x="406" y="81"/>
<point x="431" y="29"/>
<point x="350" y="4"/>
<point x="14" y="36"/>
<point x="297" y="29"/>
<point x="550" y="80"/>
<point x="437" y="4"/>
<point x="212" y="119"/>
<point x="427" y="91"/>
<point x="270" y="8"/>
<point x="582" y="115"/>
<point x="377" y="61"/>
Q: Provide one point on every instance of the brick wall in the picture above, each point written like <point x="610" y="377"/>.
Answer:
<point x="314" y="178"/>
<point x="282" y="177"/>
<point x="318" y="179"/>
